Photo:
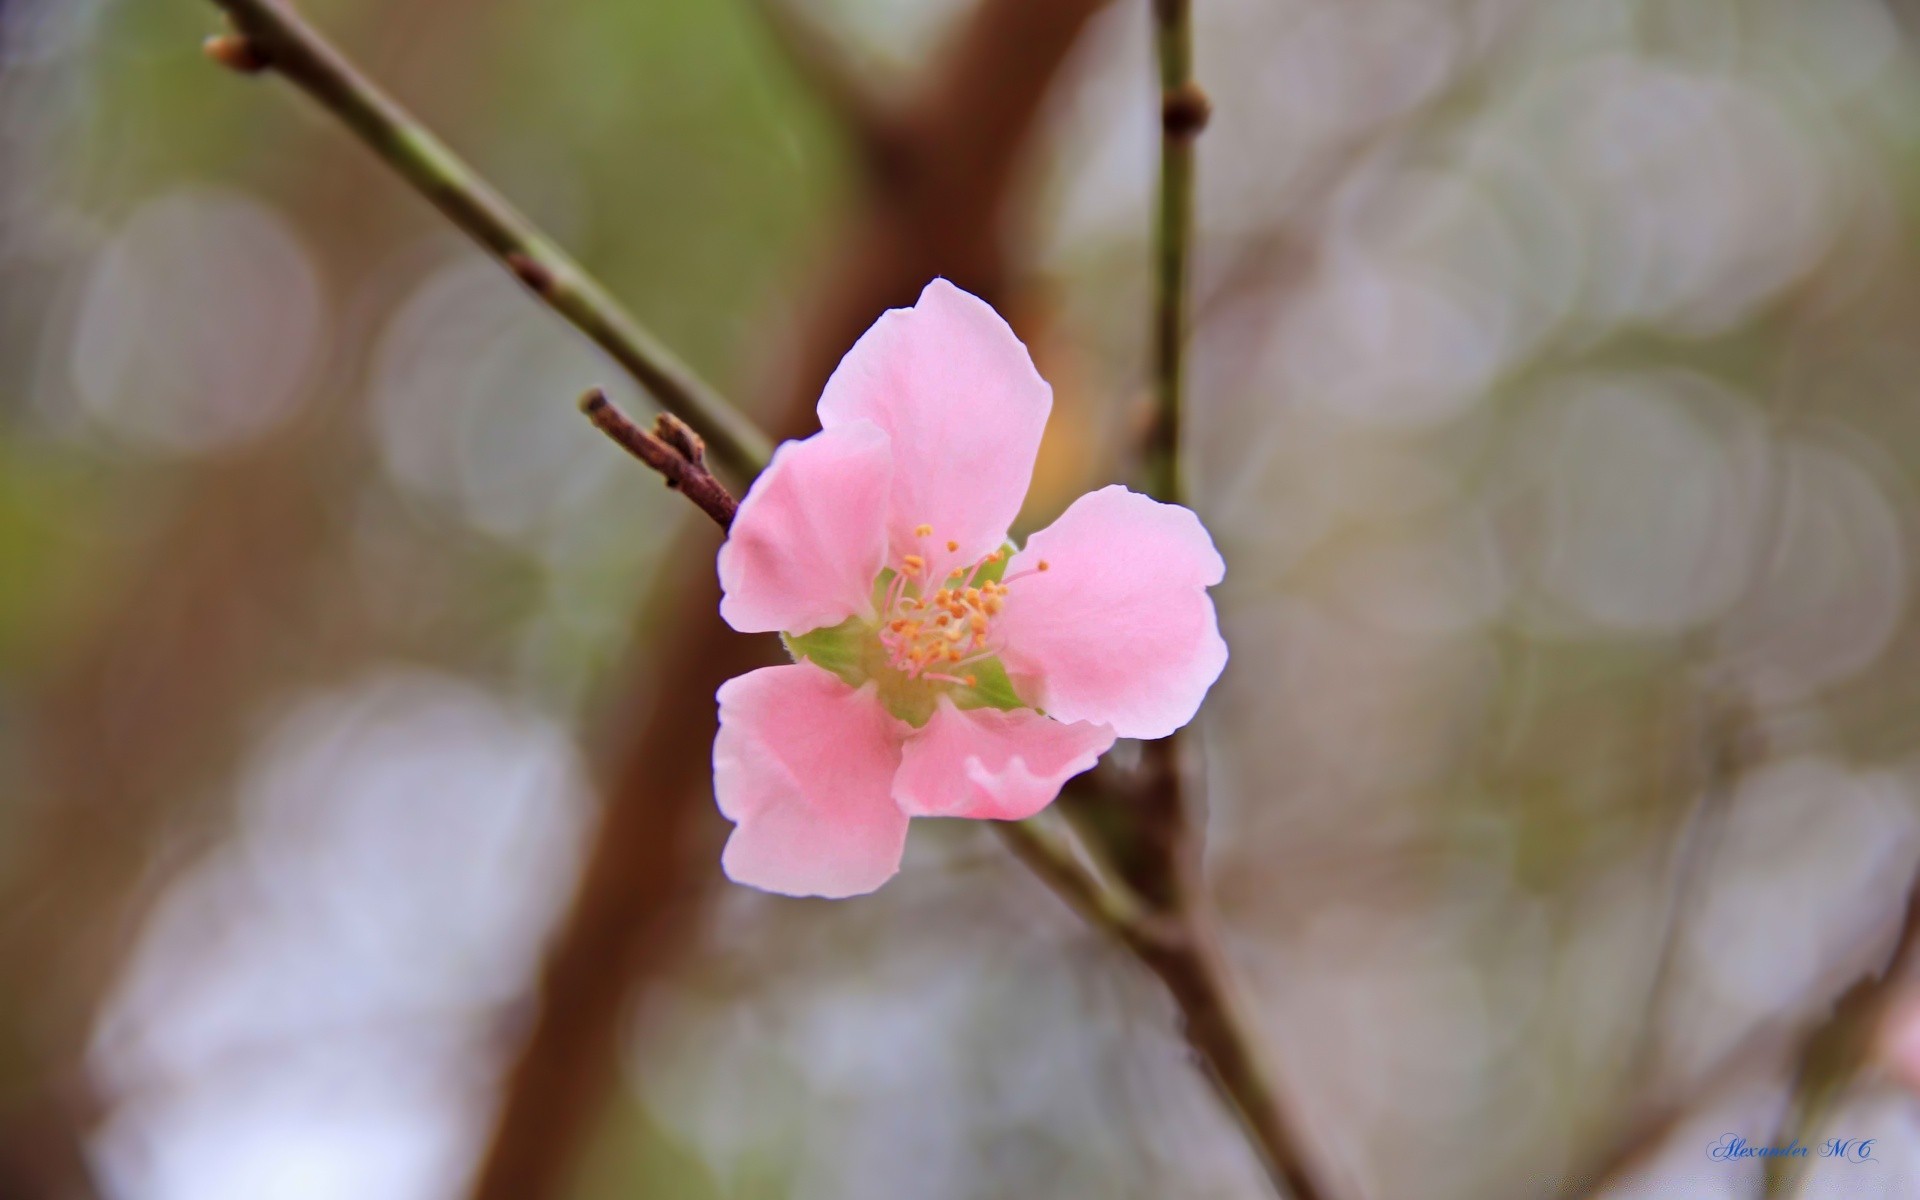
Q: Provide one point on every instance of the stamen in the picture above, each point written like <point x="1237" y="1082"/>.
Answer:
<point x="924" y="628"/>
<point x="927" y="531"/>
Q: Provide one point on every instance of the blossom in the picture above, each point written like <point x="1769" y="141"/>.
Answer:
<point x="939" y="671"/>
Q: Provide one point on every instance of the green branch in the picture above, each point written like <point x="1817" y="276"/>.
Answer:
<point x="1183" y="114"/>
<point x="268" y="34"/>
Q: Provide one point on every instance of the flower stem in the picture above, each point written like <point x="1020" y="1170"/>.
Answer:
<point x="269" y="34"/>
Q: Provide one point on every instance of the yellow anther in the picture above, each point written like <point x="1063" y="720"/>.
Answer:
<point x="944" y="619"/>
<point x="915" y="564"/>
<point x="924" y="531"/>
<point x="1041" y="565"/>
<point x="972" y="680"/>
<point x="973" y="595"/>
<point x="951" y="546"/>
<point x="978" y="622"/>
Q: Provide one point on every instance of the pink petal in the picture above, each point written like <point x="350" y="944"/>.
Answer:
<point x="804" y="767"/>
<point x="1120" y="629"/>
<point x="958" y="394"/>
<point x="994" y="765"/>
<point x="810" y="537"/>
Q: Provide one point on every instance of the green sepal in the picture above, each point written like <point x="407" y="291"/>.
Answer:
<point x="840" y="648"/>
<point x="991" y="688"/>
<point x="994" y="571"/>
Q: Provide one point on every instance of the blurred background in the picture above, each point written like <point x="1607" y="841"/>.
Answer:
<point x="1556" y="406"/>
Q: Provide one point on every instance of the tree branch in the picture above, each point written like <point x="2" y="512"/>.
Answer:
<point x="1831" y="1049"/>
<point x="269" y="34"/>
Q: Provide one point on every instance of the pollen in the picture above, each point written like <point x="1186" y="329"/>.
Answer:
<point x="927" y="632"/>
<point x="927" y="531"/>
<point x="951" y="546"/>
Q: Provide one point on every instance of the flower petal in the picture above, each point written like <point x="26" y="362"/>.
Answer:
<point x="1119" y="629"/>
<point x="958" y="394"/>
<point x="804" y="767"/>
<point x="810" y="537"/>
<point x="993" y="765"/>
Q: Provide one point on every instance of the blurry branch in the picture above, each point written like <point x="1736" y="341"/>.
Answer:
<point x="650" y="866"/>
<point x="1836" y="1051"/>
<point x="1719" y="732"/>
<point x="671" y="449"/>
<point x="836" y="80"/>
<point x="1831" y="1051"/>
<point x="123" y="734"/>
<point x="269" y="35"/>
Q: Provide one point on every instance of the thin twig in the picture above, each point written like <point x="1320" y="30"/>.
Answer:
<point x="1107" y="905"/>
<point x="1176" y="946"/>
<point x="1160" y="846"/>
<point x="1183" y="114"/>
<point x="671" y="449"/>
<point x="269" y="34"/>
<point x="1855" y="1013"/>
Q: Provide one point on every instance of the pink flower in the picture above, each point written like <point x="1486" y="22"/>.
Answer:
<point x="938" y="671"/>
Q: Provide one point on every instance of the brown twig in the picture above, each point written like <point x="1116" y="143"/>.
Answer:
<point x="671" y="449"/>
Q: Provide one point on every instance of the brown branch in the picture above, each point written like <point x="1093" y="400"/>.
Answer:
<point x="652" y="863"/>
<point x="1849" y="1026"/>
<point x="671" y="449"/>
<point x="1839" y="1047"/>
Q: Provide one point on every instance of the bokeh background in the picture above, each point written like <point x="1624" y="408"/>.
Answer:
<point x="1556" y="406"/>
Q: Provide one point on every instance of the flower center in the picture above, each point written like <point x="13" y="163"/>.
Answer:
<point x="934" y="634"/>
